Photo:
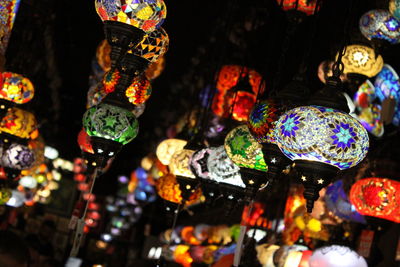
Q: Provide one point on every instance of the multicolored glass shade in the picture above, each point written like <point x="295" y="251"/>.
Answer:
<point x="179" y="164"/>
<point x="167" y="148"/>
<point x="365" y="95"/>
<point x="323" y="135"/>
<point x="198" y="163"/>
<point x="110" y="80"/>
<point x="146" y="15"/>
<point x="394" y="8"/>
<point x="305" y="6"/>
<point x="229" y="76"/>
<point x="380" y="24"/>
<point x="167" y="188"/>
<point x="103" y="55"/>
<point x="111" y="122"/>
<point x="237" y="105"/>
<point x="19" y="123"/>
<point x="222" y="169"/>
<point x="377" y="197"/>
<point x="8" y="11"/>
<point x="84" y="142"/>
<point x="338" y="202"/>
<point x="155" y="68"/>
<point x="153" y="45"/>
<point x="262" y="120"/>
<point x="244" y="150"/>
<point x="18" y="157"/>
<point x="139" y="91"/>
<point x="5" y="195"/>
<point x="362" y="60"/>
<point x="16" y="88"/>
<point x="387" y="84"/>
<point x="95" y="94"/>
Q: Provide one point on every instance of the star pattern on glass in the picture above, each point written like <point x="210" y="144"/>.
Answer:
<point x="273" y="160"/>
<point x="303" y="178"/>
<point x="320" y="181"/>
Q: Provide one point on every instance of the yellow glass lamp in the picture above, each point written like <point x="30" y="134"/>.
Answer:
<point x="362" y="60"/>
<point x="5" y="195"/>
<point x="20" y="123"/>
<point x="167" y="188"/>
<point x="179" y="164"/>
<point x="16" y="88"/>
<point x="167" y="148"/>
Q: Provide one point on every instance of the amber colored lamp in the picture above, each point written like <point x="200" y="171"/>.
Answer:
<point x="179" y="164"/>
<point x="305" y="6"/>
<point x="167" y="148"/>
<point x="230" y="75"/>
<point x="362" y="60"/>
<point x="167" y="188"/>
<point x="153" y="45"/>
<point x="19" y="123"/>
<point x="155" y="68"/>
<point x="103" y="55"/>
<point x="139" y="91"/>
<point x="377" y="197"/>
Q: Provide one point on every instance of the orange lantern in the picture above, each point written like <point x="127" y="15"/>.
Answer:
<point x="182" y="255"/>
<point x="84" y="142"/>
<point x="377" y="197"/>
<point x="156" y="68"/>
<point x="103" y="55"/>
<point x="307" y="7"/>
<point x="168" y="188"/>
<point x="230" y="75"/>
<point x="187" y="235"/>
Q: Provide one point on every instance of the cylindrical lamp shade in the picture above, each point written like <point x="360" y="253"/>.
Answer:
<point x="320" y="134"/>
<point x="362" y="60"/>
<point x="146" y="15"/>
<point x="16" y="88"/>
<point x="377" y="197"/>
<point x="380" y="24"/>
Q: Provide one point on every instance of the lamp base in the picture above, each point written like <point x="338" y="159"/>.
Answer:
<point x="121" y="37"/>
<point x="210" y="190"/>
<point x="314" y="176"/>
<point x="104" y="149"/>
<point x="187" y="186"/>
<point x="254" y="180"/>
<point x="275" y="160"/>
<point x="132" y="65"/>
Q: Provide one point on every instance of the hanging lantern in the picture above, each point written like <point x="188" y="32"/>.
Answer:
<point x="378" y="197"/>
<point x="19" y="123"/>
<point x="230" y="75"/>
<point x="387" y="84"/>
<point x="306" y="7"/>
<point x="379" y="24"/>
<point x="153" y="45"/>
<point x="365" y="95"/>
<point x="361" y="60"/>
<point x="5" y="195"/>
<point x="394" y="8"/>
<point x="168" y="188"/>
<point x="84" y="142"/>
<point x="103" y="55"/>
<point x="321" y="141"/>
<point x="167" y="148"/>
<point x="335" y="256"/>
<point x="139" y="91"/>
<point x="179" y="164"/>
<point x="112" y="123"/>
<point x="17" y="157"/>
<point x="16" y="88"/>
<point x="155" y="68"/>
<point x="125" y="23"/>
<point x="339" y="204"/>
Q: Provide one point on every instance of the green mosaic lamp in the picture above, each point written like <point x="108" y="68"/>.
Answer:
<point x="109" y="127"/>
<point x="246" y="153"/>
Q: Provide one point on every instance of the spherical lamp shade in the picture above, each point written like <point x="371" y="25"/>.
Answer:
<point x="19" y="123"/>
<point x="168" y="188"/>
<point x="110" y="122"/>
<point x="338" y="203"/>
<point x="103" y="55"/>
<point x="380" y="24"/>
<point x="377" y="197"/>
<point x="394" y="8"/>
<point x="244" y="150"/>
<point x="362" y="60"/>
<point x="230" y="75"/>
<point x="336" y="256"/>
<point x="139" y="91"/>
<point x="155" y="68"/>
<point x="18" y="157"/>
<point x="387" y="84"/>
<point x="16" y="88"/>
<point x="198" y="163"/>
<point x="365" y="95"/>
<point x="84" y="142"/>
<point x="153" y="45"/>
<point x="320" y="134"/>
<point x="304" y="6"/>
<point x="167" y="148"/>
<point x="179" y="164"/>
<point x="262" y="121"/>
<point x="222" y="169"/>
<point x="146" y="15"/>
<point x="5" y="195"/>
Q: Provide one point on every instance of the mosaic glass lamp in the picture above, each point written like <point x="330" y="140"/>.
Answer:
<point x="179" y="164"/>
<point x="387" y="84"/>
<point x="321" y="141"/>
<point x="361" y="60"/>
<point x="153" y="45"/>
<point x="84" y="142"/>
<point x="126" y="22"/>
<point x="16" y="88"/>
<point x="394" y="8"/>
<point x="139" y="91"/>
<point x="103" y="55"/>
<point x="198" y="163"/>
<point x="109" y="127"/>
<point x="336" y="256"/>
<point x="230" y="75"/>
<point x="168" y="188"/>
<point x="261" y="124"/>
<point x="156" y="68"/>
<point x="246" y="153"/>
<point x="379" y="24"/>
<point x="18" y="157"/>
<point x="167" y="148"/>
<point x="18" y="123"/>
<point x="304" y="6"/>
<point x="377" y="197"/>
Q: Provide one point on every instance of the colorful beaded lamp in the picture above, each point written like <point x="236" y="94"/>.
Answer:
<point x="18" y="157"/>
<point x="19" y="123"/>
<point x="179" y="164"/>
<point x="379" y="24"/>
<point x="321" y="141"/>
<point x="168" y="188"/>
<point x="153" y="45"/>
<point x="198" y="163"/>
<point x="139" y="91"/>
<point x="362" y="60"/>
<point x="377" y="197"/>
<point x="16" y="88"/>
